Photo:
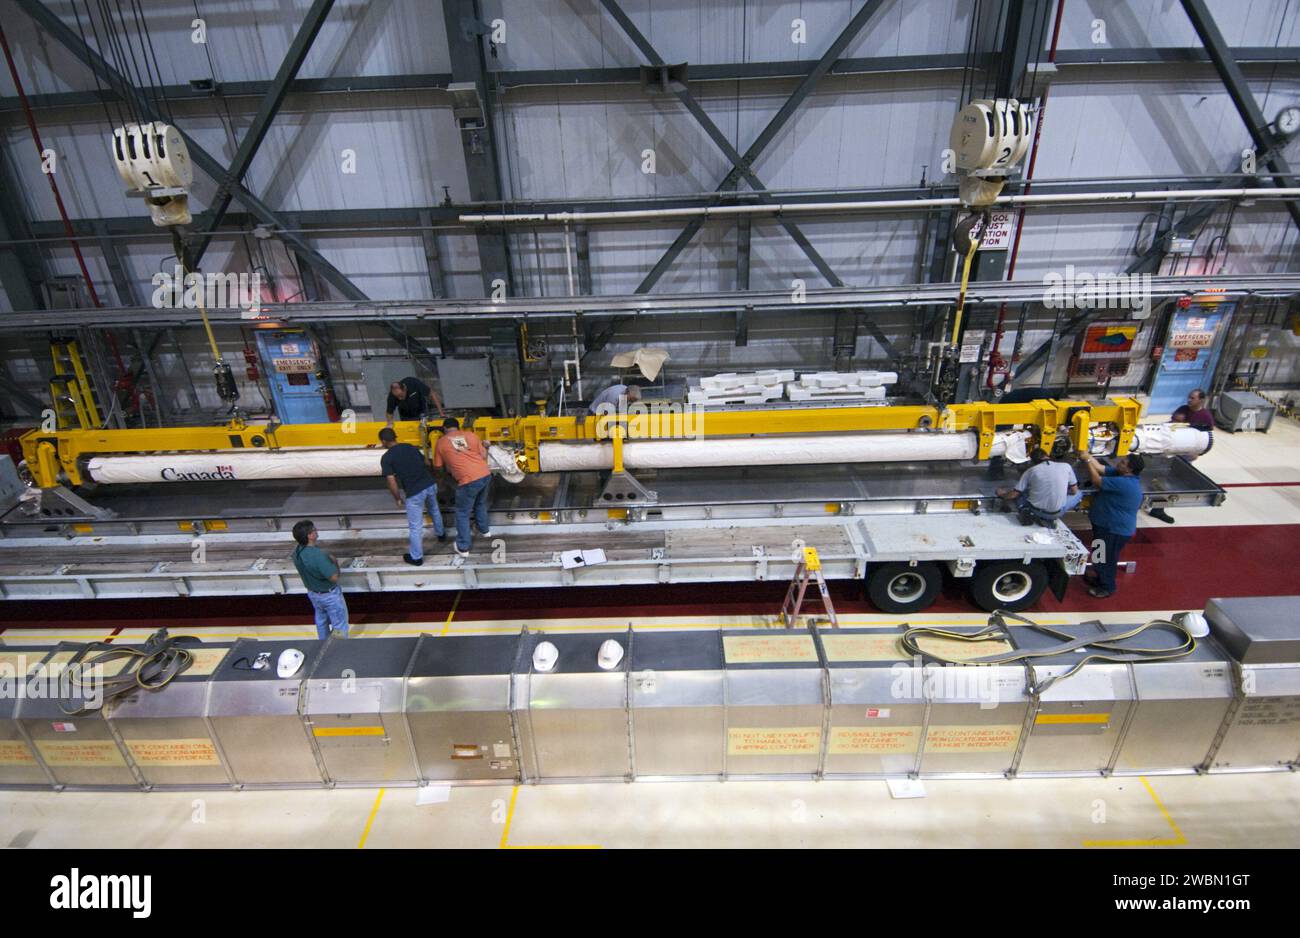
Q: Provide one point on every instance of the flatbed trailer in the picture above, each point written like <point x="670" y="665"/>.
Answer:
<point x="898" y="528"/>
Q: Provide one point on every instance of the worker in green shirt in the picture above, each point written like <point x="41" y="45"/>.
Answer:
<point x="320" y="574"/>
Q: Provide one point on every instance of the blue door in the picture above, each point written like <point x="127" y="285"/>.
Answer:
<point x="1192" y="348"/>
<point x="294" y="376"/>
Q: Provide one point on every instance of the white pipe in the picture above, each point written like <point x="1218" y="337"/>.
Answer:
<point x="766" y="451"/>
<point x="886" y="205"/>
<point x="784" y="450"/>
<point x="231" y="466"/>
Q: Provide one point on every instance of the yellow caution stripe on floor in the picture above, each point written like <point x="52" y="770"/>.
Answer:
<point x="348" y="731"/>
<point x="1050" y="718"/>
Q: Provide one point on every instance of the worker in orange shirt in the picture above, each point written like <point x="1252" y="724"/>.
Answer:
<point x="465" y="457"/>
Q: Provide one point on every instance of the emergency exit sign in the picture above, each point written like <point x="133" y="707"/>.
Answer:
<point x="997" y="237"/>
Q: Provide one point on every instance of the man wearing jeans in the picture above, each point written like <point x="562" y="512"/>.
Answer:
<point x="403" y="465"/>
<point x="1113" y="515"/>
<point x="320" y="574"/>
<point x="465" y="457"/>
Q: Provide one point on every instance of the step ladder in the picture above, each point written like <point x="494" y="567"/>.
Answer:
<point x="809" y="568"/>
<point x="71" y="390"/>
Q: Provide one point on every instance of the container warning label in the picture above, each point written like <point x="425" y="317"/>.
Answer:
<point x="173" y="752"/>
<point x="88" y="753"/>
<point x="13" y="663"/>
<point x="774" y="741"/>
<point x="885" y="646"/>
<point x="206" y="660"/>
<point x="871" y="740"/>
<point x="1269" y="711"/>
<point x="15" y="752"/>
<point x="769" y="649"/>
<point x="1001" y="737"/>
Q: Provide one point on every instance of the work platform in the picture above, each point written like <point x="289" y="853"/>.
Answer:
<point x="217" y="539"/>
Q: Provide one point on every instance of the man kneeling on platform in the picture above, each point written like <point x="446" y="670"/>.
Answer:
<point x="1045" y="492"/>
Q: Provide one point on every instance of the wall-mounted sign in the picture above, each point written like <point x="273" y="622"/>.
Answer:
<point x="1001" y="229"/>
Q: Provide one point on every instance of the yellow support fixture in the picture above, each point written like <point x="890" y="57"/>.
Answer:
<point x="48" y="454"/>
<point x="70" y="383"/>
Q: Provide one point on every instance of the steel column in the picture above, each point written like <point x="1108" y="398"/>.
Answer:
<point x="741" y="165"/>
<point x="1242" y="97"/>
<point x="266" y="112"/>
<point x="482" y="169"/>
<point x="59" y="30"/>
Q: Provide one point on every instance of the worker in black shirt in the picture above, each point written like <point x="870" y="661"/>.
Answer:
<point x="413" y="488"/>
<point x="409" y="400"/>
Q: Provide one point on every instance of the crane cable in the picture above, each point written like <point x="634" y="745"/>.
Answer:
<point x="997" y="630"/>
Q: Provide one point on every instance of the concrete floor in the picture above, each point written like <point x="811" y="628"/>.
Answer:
<point x="1258" y="810"/>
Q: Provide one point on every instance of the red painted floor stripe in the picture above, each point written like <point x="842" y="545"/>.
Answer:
<point x="1177" y="568"/>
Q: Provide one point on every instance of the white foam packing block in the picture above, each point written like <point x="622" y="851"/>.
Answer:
<point x="835" y="379"/>
<point x="730" y="380"/>
<point x="835" y="394"/>
<point x="754" y="395"/>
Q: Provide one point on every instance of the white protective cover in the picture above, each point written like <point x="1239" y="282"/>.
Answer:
<point x="767" y="451"/>
<point x="1170" y="439"/>
<point x="236" y="465"/>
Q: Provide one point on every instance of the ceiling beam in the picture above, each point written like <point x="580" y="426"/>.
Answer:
<point x="256" y="132"/>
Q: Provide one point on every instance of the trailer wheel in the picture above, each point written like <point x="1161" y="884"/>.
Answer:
<point x="900" y="587"/>
<point x="1008" y="584"/>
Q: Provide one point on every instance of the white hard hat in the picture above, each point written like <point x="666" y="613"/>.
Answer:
<point x="610" y="654"/>
<point x="544" y="656"/>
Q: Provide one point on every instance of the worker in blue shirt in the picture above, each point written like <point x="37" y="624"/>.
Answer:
<point x="320" y="574"/>
<point x="1113" y="514"/>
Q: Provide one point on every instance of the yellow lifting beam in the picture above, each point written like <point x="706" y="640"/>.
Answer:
<point x="48" y="453"/>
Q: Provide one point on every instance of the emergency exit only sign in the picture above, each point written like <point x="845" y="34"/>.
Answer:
<point x="1000" y="230"/>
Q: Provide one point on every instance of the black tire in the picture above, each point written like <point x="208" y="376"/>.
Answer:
<point x="902" y="588"/>
<point x="1008" y="584"/>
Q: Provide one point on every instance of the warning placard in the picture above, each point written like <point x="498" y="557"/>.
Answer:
<point x="15" y="752"/>
<point x="774" y="741"/>
<point x="73" y="753"/>
<point x="1001" y="737"/>
<point x="885" y="646"/>
<point x="769" y="649"/>
<point x="14" y="663"/>
<point x="206" y="660"/>
<point x="173" y="752"/>
<point x="1191" y="339"/>
<point x="871" y="740"/>
<point x="1001" y="229"/>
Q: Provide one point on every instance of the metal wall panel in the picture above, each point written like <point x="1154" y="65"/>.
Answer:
<point x="573" y="721"/>
<point x="677" y="699"/>
<point x="256" y="718"/>
<point x="353" y="706"/>
<point x="458" y="708"/>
